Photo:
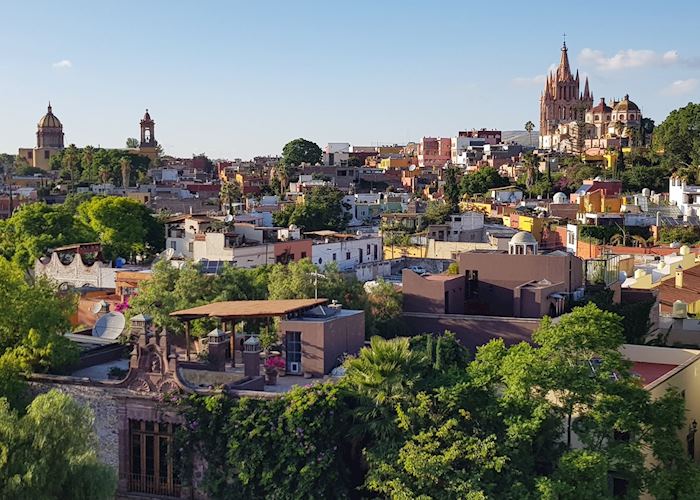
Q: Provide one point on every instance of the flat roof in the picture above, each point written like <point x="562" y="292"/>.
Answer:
<point x="75" y="246"/>
<point x="248" y="309"/>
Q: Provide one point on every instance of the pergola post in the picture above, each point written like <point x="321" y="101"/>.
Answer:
<point x="187" y="338"/>
<point x="232" y="341"/>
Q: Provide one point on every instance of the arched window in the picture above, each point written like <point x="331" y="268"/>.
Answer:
<point x="320" y="260"/>
<point x="622" y="117"/>
<point x="632" y="117"/>
<point x="597" y="118"/>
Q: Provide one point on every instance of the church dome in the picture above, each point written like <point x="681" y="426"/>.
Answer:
<point x="49" y="120"/>
<point x="626" y="105"/>
<point x="523" y="237"/>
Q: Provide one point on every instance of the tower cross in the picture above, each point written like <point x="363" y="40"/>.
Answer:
<point x="564" y="36"/>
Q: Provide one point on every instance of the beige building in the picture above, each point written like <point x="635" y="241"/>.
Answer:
<point x="49" y="142"/>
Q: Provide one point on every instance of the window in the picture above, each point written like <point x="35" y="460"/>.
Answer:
<point x="347" y="255"/>
<point x="190" y="247"/>
<point x="632" y="116"/>
<point x="303" y="255"/>
<point x="293" y="351"/>
<point x="47" y="154"/>
<point x="320" y="260"/>
<point x="151" y="467"/>
<point x="334" y="258"/>
<point x="597" y="118"/>
<point x="173" y="245"/>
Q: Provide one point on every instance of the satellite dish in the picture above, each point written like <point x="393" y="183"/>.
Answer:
<point x="110" y="326"/>
<point x="168" y="253"/>
<point x="98" y="306"/>
<point x="411" y="168"/>
<point x="228" y="219"/>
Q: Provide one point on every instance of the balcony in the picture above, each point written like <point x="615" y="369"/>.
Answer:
<point x="152" y="485"/>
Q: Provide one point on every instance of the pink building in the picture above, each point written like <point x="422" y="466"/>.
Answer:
<point x="434" y="151"/>
<point x="490" y="136"/>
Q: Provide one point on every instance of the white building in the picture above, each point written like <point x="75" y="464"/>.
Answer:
<point x="200" y="237"/>
<point x="685" y="196"/>
<point x="346" y="250"/>
<point x="336" y="153"/>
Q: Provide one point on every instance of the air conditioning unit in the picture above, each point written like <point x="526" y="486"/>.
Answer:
<point x="294" y="367"/>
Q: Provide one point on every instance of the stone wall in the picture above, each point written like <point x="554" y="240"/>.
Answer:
<point x="104" y="405"/>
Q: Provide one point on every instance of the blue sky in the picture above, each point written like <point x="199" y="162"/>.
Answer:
<point x="237" y="79"/>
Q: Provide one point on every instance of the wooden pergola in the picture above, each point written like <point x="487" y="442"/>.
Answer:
<point x="237" y="310"/>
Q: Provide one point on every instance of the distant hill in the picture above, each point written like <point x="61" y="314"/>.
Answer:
<point x="519" y="136"/>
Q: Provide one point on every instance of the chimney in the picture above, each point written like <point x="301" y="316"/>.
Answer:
<point x="217" y="342"/>
<point x="679" y="277"/>
<point x="251" y="357"/>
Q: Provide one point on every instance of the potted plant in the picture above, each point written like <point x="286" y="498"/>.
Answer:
<point x="273" y="365"/>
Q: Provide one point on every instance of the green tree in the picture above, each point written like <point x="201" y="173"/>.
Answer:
<point x="679" y="135"/>
<point x="301" y="151"/>
<point x="36" y="227"/>
<point x="296" y="281"/>
<point x="124" y="226"/>
<point x="482" y="180"/>
<point x="229" y="194"/>
<point x="49" y="453"/>
<point x="132" y="143"/>
<point x="452" y="192"/>
<point x="34" y="306"/>
<point x="383" y="312"/>
<point x="437" y="212"/>
<point x="321" y="209"/>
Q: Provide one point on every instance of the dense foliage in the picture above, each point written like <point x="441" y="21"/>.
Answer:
<point x="679" y="135"/>
<point x="171" y="289"/>
<point x="417" y="419"/>
<point x="90" y="164"/>
<point x="482" y="180"/>
<point x="124" y="227"/>
<point x="301" y="151"/>
<point x="49" y="453"/>
<point x="321" y="209"/>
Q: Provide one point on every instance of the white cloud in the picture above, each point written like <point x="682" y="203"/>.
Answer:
<point x="681" y="87"/>
<point x="529" y="80"/>
<point x="626" y="59"/>
<point x="523" y="81"/>
<point x="62" y="64"/>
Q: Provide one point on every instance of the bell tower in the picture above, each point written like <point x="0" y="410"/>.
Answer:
<point x="148" y="134"/>
<point x="148" y="145"/>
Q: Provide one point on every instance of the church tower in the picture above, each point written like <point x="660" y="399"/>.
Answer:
<point x="49" y="142"/>
<point x="148" y="145"/>
<point x="49" y="132"/>
<point x="561" y="101"/>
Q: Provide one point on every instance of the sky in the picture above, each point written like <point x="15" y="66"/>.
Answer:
<point x="238" y="79"/>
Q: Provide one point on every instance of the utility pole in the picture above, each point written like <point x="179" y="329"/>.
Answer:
<point x="316" y="277"/>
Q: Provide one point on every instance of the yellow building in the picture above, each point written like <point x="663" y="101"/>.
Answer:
<point x="389" y="163"/>
<point x="597" y="202"/>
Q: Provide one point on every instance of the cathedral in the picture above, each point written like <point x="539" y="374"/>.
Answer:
<point x="49" y="141"/>
<point x="570" y="123"/>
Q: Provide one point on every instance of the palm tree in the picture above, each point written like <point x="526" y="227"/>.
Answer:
<point x="530" y="161"/>
<point x="383" y="375"/>
<point x="529" y="126"/>
<point x="88" y="155"/>
<point x="104" y="174"/>
<point x="125" y="164"/>
<point x="70" y="162"/>
<point x="618" y="239"/>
